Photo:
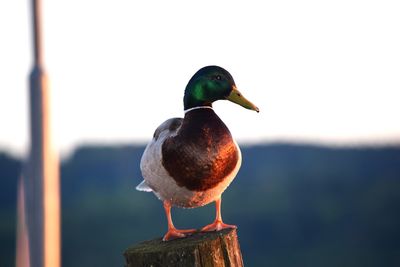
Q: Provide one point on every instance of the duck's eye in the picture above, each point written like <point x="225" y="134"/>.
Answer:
<point x="218" y="77"/>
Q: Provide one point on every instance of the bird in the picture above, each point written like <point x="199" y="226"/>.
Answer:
<point x="190" y="161"/>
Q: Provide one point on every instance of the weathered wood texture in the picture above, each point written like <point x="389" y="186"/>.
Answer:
<point x="212" y="249"/>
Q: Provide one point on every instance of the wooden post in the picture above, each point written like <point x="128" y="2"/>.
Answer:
<point x="212" y="249"/>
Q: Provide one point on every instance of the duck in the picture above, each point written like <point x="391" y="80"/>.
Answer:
<point x="190" y="161"/>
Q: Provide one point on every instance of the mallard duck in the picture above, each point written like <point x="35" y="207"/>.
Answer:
<point x="192" y="160"/>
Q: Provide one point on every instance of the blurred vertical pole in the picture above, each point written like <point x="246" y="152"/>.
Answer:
<point x="22" y="257"/>
<point x="40" y="175"/>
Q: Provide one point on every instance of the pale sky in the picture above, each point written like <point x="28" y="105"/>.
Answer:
<point x="320" y="71"/>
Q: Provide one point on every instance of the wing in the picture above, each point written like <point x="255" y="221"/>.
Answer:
<point x="153" y="171"/>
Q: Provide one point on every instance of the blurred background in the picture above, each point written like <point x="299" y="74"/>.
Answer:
<point x="320" y="179"/>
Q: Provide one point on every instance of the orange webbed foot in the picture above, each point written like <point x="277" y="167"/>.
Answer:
<point x="175" y="233"/>
<point x="217" y="225"/>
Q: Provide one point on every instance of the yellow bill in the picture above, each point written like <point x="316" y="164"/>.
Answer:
<point x="236" y="97"/>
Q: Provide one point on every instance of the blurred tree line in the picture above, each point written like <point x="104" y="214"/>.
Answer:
<point x="295" y="205"/>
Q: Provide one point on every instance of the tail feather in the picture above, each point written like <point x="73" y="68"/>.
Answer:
<point x="143" y="186"/>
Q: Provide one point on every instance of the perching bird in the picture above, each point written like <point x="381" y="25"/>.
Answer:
<point x="191" y="161"/>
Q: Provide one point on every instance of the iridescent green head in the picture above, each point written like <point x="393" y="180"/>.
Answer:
<point x="210" y="84"/>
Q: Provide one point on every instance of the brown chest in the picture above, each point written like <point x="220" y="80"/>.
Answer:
<point x="203" y="153"/>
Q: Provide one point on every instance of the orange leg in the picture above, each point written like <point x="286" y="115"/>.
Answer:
<point x="218" y="223"/>
<point x="174" y="233"/>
